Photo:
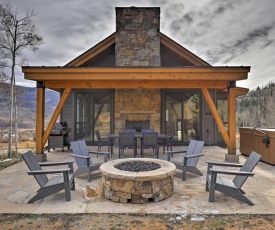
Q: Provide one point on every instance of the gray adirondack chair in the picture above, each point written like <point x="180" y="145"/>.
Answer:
<point x="53" y="185"/>
<point x="229" y="187"/>
<point x="83" y="159"/>
<point x="190" y="158"/>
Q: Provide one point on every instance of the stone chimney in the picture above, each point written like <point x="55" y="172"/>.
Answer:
<point x="137" y="41"/>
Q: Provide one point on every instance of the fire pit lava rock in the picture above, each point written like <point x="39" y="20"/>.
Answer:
<point x="137" y="187"/>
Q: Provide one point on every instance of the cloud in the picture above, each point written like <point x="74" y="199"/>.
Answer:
<point x="222" y="32"/>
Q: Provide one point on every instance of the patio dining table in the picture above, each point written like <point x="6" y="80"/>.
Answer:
<point x="138" y="135"/>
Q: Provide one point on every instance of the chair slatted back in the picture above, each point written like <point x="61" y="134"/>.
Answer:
<point x="33" y="165"/>
<point x="248" y="166"/>
<point x="129" y="131"/>
<point x="147" y="130"/>
<point x="80" y="148"/>
<point x="194" y="147"/>
<point x="150" y="140"/>
<point x="126" y="140"/>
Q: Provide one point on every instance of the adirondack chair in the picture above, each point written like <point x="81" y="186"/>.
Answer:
<point x="53" y="185"/>
<point x="227" y="186"/>
<point x="83" y="159"/>
<point x="190" y="158"/>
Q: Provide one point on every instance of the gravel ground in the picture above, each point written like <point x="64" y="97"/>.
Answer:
<point x="134" y="222"/>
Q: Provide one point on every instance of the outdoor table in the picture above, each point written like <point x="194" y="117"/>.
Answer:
<point x="138" y="135"/>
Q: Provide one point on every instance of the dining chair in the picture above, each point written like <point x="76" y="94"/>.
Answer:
<point x="126" y="141"/>
<point x="147" y="130"/>
<point x="150" y="141"/>
<point x="129" y="130"/>
<point x="103" y="142"/>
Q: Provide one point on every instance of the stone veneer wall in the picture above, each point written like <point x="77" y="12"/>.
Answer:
<point x="137" y="105"/>
<point x="137" y="41"/>
<point x="137" y="192"/>
<point x="137" y="44"/>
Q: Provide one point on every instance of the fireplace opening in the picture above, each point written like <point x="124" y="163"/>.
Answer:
<point x="138" y="125"/>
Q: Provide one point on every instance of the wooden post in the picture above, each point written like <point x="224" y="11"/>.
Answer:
<point x="55" y="115"/>
<point x="40" y="108"/>
<point x="232" y="121"/>
<point x="216" y="115"/>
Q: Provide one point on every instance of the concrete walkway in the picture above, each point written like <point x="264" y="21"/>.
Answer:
<point x="190" y="197"/>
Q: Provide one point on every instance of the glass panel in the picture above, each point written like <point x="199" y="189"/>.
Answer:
<point x="93" y="112"/>
<point x="191" y="114"/>
<point x="80" y="119"/>
<point x="222" y="109"/>
<point x="173" y="116"/>
<point x="102" y="114"/>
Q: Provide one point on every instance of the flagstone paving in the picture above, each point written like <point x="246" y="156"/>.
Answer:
<point x="189" y="198"/>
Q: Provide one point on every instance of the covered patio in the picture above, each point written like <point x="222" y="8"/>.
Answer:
<point x="204" y="78"/>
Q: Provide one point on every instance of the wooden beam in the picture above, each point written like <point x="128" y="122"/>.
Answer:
<point x="40" y="104"/>
<point x="216" y="115"/>
<point x="137" y="76"/>
<point x="127" y="84"/>
<point x="55" y="115"/>
<point x="240" y="91"/>
<point x="145" y="74"/>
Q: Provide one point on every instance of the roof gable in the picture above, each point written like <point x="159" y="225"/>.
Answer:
<point x="103" y="54"/>
<point x="95" y="53"/>
<point x="180" y="52"/>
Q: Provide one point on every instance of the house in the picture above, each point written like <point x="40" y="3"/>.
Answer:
<point x="140" y="78"/>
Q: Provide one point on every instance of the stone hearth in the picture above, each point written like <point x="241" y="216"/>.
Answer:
<point x="137" y="187"/>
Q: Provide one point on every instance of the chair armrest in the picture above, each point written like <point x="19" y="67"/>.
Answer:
<point x="50" y="171"/>
<point x="100" y="153"/>
<point x="80" y="156"/>
<point x="193" y="156"/>
<point x="169" y="153"/>
<point x="55" y="163"/>
<point x="230" y="172"/>
<point x="175" y="152"/>
<point x="224" y="164"/>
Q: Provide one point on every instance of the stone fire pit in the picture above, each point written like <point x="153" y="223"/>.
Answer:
<point x="137" y="187"/>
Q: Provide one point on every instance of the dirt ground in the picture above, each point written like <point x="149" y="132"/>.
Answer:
<point x="134" y="222"/>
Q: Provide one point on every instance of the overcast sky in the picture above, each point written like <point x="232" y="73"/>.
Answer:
<point x="221" y="32"/>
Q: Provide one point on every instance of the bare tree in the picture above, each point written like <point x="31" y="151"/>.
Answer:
<point x="16" y="34"/>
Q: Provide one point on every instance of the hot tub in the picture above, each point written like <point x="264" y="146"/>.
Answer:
<point x="260" y="140"/>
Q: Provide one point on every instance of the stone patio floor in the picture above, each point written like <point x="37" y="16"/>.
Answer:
<point x="190" y="197"/>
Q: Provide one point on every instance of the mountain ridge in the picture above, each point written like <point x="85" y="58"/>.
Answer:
<point x="27" y="106"/>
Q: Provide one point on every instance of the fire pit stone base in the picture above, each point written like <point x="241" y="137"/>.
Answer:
<point x="138" y="187"/>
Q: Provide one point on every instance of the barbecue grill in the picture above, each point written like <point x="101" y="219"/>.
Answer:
<point x="59" y="136"/>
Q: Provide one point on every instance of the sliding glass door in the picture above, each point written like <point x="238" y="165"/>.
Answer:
<point x="181" y="115"/>
<point x="93" y="112"/>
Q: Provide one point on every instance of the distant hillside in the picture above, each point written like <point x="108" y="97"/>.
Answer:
<point x="27" y="107"/>
<point x="257" y="108"/>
